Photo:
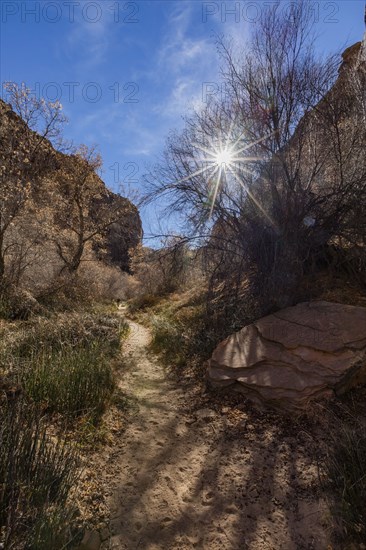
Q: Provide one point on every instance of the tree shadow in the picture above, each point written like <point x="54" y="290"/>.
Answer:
<point x="210" y="486"/>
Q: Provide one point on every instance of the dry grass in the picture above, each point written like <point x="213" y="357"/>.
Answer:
<point x="63" y="364"/>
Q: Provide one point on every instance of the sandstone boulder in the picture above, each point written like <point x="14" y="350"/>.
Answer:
<point x="287" y="359"/>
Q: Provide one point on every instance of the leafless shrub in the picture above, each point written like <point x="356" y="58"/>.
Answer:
<point x="164" y="270"/>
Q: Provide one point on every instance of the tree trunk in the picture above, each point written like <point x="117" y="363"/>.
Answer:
<point x="2" y="259"/>
<point x="75" y="262"/>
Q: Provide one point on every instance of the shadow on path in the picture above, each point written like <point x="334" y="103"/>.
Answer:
<point x="186" y="484"/>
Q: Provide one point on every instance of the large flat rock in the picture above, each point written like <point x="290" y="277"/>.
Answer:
<point x="309" y="351"/>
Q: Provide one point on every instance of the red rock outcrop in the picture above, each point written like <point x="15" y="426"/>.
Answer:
<point x="309" y="351"/>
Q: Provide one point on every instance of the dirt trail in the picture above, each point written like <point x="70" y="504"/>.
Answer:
<point x="182" y="482"/>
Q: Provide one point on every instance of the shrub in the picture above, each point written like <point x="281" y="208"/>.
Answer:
<point x="168" y="339"/>
<point x="36" y="475"/>
<point x="143" y="302"/>
<point x="71" y="330"/>
<point x="107" y="282"/>
<point x="182" y="334"/>
<point x="65" y="362"/>
<point x="16" y="303"/>
<point x="73" y="382"/>
<point x="346" y="472"/>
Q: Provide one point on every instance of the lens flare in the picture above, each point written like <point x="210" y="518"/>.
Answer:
<point x="224" y="158"/>
<point x="224" y="163"/>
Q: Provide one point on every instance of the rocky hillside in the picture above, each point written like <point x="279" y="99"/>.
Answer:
<point x="55" y="207"/>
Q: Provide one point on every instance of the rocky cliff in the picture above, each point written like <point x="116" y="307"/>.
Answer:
<point x="36" y="200"/>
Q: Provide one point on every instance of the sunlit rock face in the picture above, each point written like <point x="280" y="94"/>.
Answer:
<point x="118" y="240"/>
<point x="310" y="351"/>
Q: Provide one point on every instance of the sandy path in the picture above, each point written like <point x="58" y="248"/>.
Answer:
<point x="182" y="482"/>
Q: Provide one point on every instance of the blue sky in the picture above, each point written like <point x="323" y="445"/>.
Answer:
<point x="126" y="72"/>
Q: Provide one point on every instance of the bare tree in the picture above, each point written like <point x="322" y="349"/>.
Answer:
<point x="83" y="211"/>
<point x="25" y="157"/>
<point x="291" y="142"/>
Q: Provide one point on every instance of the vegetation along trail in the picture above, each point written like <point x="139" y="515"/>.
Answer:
<point x="184" y="480"/>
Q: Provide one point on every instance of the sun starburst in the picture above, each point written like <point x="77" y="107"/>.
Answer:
<point x="223" y="160"/>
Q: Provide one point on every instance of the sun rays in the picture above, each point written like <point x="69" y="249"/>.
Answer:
<point x="224" y="160"/>
<point x="225" y="164"/>
<point x="224" y="157"/>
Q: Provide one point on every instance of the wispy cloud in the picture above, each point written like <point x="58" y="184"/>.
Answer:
<point x="90" y="35"/>
<point x="184" y="95"/>
<point x="189" y="61"/>
<point x="178" y="50"/>
<point x="183" y="60"/>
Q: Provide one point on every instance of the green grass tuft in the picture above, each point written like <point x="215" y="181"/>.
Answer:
<point x="346" y="473"/>
<point x="73" y="382"/>
<point x="36" y="475"/>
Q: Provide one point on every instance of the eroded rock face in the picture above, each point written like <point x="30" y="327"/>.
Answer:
<point x="114" y="244"/>
<point x="309" y="351"/>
